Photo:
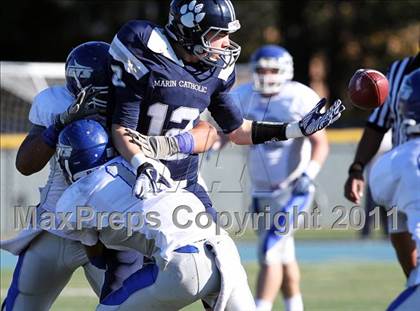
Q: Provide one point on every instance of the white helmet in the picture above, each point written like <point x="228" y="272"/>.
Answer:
<point x="271" y="57"/>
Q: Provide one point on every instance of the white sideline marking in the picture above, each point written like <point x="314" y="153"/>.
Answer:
<point x="68" y="292"/>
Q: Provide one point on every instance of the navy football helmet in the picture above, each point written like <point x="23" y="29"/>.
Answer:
<point x="195" y="23"/>
<point x="409" y="103"/>
<point x="82" y="146"/>
<point x="276" y="59"/>
<point x="87" y="65"/>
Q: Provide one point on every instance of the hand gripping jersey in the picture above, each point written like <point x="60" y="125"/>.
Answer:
<point x="46" y="105"/>
<point x="272" y="163"/>
<point x="394" y="179"/>
<point x="156" y="93"/>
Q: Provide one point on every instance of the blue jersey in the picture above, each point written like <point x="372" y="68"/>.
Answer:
<point x="156" y="93"/>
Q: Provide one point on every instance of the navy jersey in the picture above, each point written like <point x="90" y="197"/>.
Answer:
<point x="156" y="93"/>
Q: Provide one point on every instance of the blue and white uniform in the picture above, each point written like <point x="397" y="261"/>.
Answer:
<point x="156" y="93"/>
<point x="395" y="183"/>
<point x="46" y="105"/>
<point x="274" y="166"/>
<point x="191" y="263"/>
<point x="41" y="253"/>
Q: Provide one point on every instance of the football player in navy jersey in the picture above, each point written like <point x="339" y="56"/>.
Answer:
<point x="165" y="77"/>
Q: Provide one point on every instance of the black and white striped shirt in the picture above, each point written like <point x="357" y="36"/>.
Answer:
<point x="388" y="115"/>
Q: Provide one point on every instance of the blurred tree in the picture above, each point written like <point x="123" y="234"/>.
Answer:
<point x="348" y="34"/>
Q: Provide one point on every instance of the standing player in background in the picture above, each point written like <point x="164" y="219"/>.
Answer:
<point x="165" y="77"/>
<point x="380" y="121"/>
<point x="46" y="262"/>
<point x="395" y="179"/>
<point x="282" y="173"/>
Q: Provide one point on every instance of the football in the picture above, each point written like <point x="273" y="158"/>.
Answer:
<point x="368" y="89"/>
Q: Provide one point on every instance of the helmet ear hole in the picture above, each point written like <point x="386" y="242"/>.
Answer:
<point x="83" y="145"/>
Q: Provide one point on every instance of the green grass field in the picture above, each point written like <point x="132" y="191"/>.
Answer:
<point x="333" y="286"/>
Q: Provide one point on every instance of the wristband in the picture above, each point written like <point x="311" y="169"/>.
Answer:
<point x="137" y="160"/>
<point x="356" y="167"/>
<point x="50" y="136"/>
<point x="312" y="169"/>
<point x="262" y="132"/>
<point x="185" y="142"/>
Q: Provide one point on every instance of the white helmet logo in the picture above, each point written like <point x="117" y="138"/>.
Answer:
<point x="190" y="14"/>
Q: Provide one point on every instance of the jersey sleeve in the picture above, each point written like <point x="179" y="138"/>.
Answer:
<point x="242" y="93"/>
<point x="39" y="113"/>
<point x="224" y="106"/>
<point x="34" y="114"/>
<point x="130" y="72"/>
<point x="309" y="98"/>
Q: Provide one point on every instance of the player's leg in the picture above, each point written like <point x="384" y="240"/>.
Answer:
<point x="241" y="299"/>
<point x="409" y="299"/>
<point x="270" y="275"/>
<point x="185" y="279"/>
<point x="222" y="263"/>
<point x="290" y="287"/>
<point x="268" y="285"/>
<point x="40" y="275"/>
<point x="413" y="221"/>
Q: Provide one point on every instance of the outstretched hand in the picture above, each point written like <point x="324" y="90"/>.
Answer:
<point x="315" y="120"/>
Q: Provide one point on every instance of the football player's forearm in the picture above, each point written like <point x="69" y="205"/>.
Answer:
<point x="253" y="132"/>
<point x="320" y="147"/>
<point x="122" y="143"/>
<point x="205" y="135"/>
<point x="33" y="155"/>
<point x="368" y="146"/>
<point x="243" y="134"/>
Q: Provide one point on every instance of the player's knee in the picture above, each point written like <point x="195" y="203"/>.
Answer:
<point x="291" y="274"/>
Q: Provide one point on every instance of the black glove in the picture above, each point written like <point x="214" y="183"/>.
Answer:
<point x="86" y="104"/>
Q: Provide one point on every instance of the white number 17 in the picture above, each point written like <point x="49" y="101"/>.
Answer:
<point x="158" y="113"/>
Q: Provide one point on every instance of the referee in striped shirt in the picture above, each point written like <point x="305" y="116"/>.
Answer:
<point x="380" y="121"/>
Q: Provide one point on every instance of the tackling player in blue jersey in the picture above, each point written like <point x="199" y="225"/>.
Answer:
<point x="40" y="253"/>
<point x="165" y="77"/>
<point x="188" y="262"/>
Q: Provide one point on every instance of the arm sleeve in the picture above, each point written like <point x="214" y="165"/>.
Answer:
<point x="224" y="107"/>
<point x="38" y="115"/>
<point x="36" y="130"/>
<point x="130" y="74"/>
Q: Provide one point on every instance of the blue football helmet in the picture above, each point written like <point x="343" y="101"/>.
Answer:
<point x="409" y="103"/>
<point x="195" y="23"/>
<point x="82" y="146"/>
<point x="87" y="65"/>
<point x="275" y="59"/>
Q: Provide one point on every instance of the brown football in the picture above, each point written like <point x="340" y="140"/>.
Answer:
<point x="368" y="88"/>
